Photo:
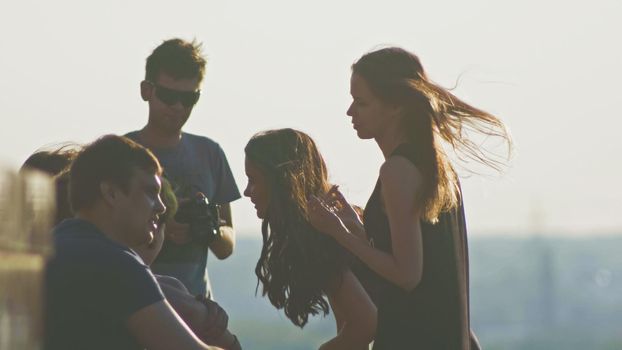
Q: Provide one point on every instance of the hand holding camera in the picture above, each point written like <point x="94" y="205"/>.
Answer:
<point x="199" y="218"/>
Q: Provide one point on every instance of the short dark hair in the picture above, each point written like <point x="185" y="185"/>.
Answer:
<point x="178" y="58"/>
<point x="110" y="158"/>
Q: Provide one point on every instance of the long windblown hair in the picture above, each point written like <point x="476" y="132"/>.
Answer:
<point x="56" y="163"/>
<point x="431" y="114"/>
<point x="297" y="263"/>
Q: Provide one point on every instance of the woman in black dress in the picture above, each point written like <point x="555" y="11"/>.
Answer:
<point x="411" y="244"/>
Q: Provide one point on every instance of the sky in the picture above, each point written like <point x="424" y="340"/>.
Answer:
<point x="551" y="70"/>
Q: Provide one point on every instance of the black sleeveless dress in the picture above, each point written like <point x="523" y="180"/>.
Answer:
<point x="435" y="314"/>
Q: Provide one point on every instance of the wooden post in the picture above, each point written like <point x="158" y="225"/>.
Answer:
<point x="26" y="216"/>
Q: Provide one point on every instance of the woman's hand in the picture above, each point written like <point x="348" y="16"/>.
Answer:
<point x="323" y="217"/>
<point x="333" y="215"/>
<point x="348" y="214"/>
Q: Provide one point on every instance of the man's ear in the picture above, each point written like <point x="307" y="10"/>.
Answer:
<point x="146" y="88"/>
<point x="108" y="192"/>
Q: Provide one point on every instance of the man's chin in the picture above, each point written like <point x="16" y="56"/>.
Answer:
<point x="363" y="136"/>
<point x="148" y="238"/>
<point x="175" y="126"/>
<point x="175" y="123"/>
<point x="151" y="237"/>
<point x="171" y="126"/>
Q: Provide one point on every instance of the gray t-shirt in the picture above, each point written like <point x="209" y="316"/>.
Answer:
<point x="195" y="164"/>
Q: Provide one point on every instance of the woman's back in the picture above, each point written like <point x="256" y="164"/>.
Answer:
<point x="435" y="314"/>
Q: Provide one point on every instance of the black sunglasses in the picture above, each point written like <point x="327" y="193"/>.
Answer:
<point x="171" y="97"/>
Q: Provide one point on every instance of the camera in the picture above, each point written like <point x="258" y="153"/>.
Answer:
<point x="202" y="216"/>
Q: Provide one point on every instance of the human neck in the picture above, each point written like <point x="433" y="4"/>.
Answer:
<point x="390" y="139"/>
<point x="103" y="222"/>
<point x="153" y="137"/>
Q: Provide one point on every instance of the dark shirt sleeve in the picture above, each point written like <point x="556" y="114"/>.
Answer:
<point x="129" y="286"/>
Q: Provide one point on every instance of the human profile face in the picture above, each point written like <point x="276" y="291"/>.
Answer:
<point x="371" y="117"/>
<point x="138" y="208"/>
<point x="257" y="188"/>
<point x="166" y="117"/>
<point x="149" y="251"/>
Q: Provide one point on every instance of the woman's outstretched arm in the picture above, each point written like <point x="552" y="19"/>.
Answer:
<point x="355" y="314"/>
<point x="401" y="183"/>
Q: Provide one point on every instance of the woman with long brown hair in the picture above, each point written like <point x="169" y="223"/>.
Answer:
<point x="301" y="270"/>
<point x="411" y="243"/>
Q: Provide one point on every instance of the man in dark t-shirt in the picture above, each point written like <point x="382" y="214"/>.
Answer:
<point x="95" y="313"/>
<point x="99" y="292"/>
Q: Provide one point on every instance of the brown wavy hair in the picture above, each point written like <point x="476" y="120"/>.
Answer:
<point x="296" y="263"/>
<point x="431" y="115"/>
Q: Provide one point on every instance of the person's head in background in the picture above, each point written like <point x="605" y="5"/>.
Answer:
<point x="284" y="168"/>
<point x="55" y="163"/>
<point x="115" y="184"/>
<point x="173" y="76"/>
<point x="395" y="102"/>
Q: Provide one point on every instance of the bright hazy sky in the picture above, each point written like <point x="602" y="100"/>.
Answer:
<point x="70" y="71"/>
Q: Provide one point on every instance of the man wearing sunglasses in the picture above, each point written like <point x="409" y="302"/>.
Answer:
<point x="192" y="163"/>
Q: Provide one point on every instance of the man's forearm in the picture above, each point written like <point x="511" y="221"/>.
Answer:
<point x="224" y="244"/>
<point x="193" y="312"/>
<point x="184" y="304"/>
